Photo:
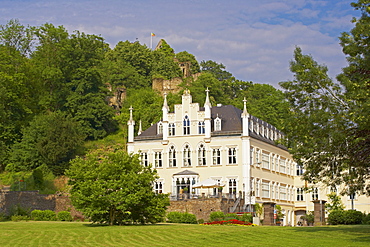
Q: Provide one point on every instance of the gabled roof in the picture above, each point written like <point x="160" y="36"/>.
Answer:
<point x="186" y="172"/>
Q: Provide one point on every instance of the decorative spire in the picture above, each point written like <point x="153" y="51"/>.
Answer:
<point x="245" y="112"/>
<point x="207" y="103"/>
<point x="131" y="113"/>
<point x="140" y="129"/>
<point x="165" y="105"/>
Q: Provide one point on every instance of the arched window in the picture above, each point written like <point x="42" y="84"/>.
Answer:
<point x="201" y="128"/>
<point x="187" y="156"/>
<point x="202" y="155"/>
<point x="186" y="124"/>
<point x="172" y="157"/>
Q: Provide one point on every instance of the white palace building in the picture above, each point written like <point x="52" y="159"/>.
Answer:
<point x="232" y="148"/>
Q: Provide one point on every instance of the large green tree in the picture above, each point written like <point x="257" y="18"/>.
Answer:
<point x="52" y="139"/>
<point x="328" y="128"/>
<point x="111" y="186"/>
<point x="18" y="98"/>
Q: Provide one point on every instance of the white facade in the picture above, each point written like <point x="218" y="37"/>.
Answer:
<point x="223" y="143"/>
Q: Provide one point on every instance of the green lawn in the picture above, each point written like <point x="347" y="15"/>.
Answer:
<point x="85" y="234"/>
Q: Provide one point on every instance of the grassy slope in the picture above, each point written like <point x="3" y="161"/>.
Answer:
<point x="84" y="234"/>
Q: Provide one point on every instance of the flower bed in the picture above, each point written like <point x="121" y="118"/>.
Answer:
<point x="230" y="222"/>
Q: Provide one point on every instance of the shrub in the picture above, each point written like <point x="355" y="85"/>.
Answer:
<point x="19" y="210"/>
<point x="336" y="217"/>
<point x="64" y="216"/>
<point x="366" y="219"/>
<point x="46" y="215"/>
<point x="352" y="217"/>
<point x="200" y="221"/>
<point x="216" y="216"/>
<point x="231" y="216"/>
<point x="17" y="218"/>
<point x="36" y="215"/>
<point x="188" y="218"/>
<point x="177" y="217"/>
<point x="347" y="217"/>
<point x="174" y="217"/>
<point x="3" y="217"/>
<point x="247" y="217"/>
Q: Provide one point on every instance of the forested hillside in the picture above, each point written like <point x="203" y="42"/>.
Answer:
<point x="54" y="87"/>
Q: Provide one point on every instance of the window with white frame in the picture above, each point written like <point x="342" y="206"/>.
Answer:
<point x="186" y="156"/>
<point x="144" y="158"/>
<point x="216" y="156"/>
<point x="158" y="187"/>
<point x="252" y="156"/>
<point x="172" y="157"/>
<point x="258" y="157"/>
<point x="186" y="125"/>
<point x="299" y="170"/>
<point x="158" y="159"/>
<point x="255" y="127"/>
<point x="288" y="168"/>
<point x="282" y="164"/>
<point x="201" y="128"/>
<point x="276" y="191"/>
<point x="283" y="193"/>
<point x="273" y="191"/>
<point x="276" y="163"/>
<point x="265" y="161"/>
<point x="315" y="194"/>
<point x="232" y="155"/>
<point x="300" y="192"/>
<point x="171" y="129"/>
<point x="201" y="155"/>
<point x="257" y="187"/>
<point x="160" y="128"/>
<point x="232" y="186"/>
<point x="265" y="186"/>
<point x="217" y="122"/>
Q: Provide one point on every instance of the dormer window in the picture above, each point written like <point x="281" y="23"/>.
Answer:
<point x="160" y="128"/>
<point x="218" y="124"/>
<point x="186" y="124"/>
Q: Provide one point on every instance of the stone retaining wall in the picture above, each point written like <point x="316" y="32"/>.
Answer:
<point x="33" y="200"/>
<point x="202" y="208"/>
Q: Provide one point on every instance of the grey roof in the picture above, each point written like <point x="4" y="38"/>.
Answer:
<point x="231" y="124"/>
<point x="231" y="121"/>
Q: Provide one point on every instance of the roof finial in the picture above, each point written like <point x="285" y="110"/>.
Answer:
<point x="207" y="103"/>
<point x="245" y="112"/>
<point x="131" y="113"/>
<point x="165" y="105"/>
<point x="140" y="128"/>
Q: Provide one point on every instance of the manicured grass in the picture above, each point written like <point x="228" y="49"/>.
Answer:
<point x="84" y="234"/>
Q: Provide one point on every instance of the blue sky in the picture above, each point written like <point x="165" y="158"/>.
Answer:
<point x="254" y="39"/>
